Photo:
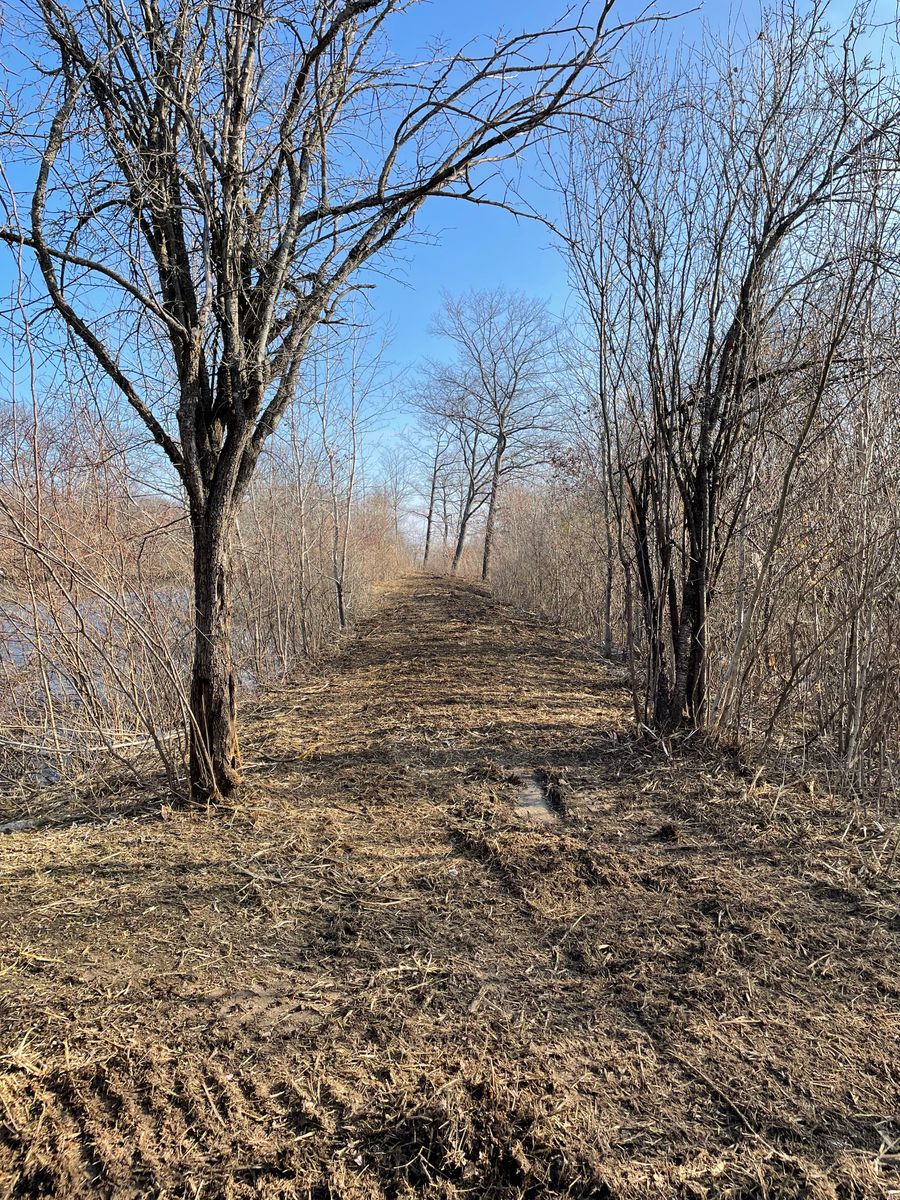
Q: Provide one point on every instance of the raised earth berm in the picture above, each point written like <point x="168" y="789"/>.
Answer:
<point x="379" y="977"/>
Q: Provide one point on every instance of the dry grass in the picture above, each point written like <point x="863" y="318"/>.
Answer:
<point x="373" y="980"/>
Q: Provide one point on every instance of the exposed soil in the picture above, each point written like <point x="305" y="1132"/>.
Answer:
<point x="374" y="979"/>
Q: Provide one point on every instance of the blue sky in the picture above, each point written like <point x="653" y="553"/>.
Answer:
<point x="457" y="245"/>
<point x="482" y="247"/>
<point x="463" y="246"/>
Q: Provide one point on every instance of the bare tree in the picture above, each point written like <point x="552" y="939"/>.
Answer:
<point x="467" y="463"/>
<point x="438" y="458"/>
<point x="498" y="393"/>
<point x="209" y="181"/>
<point x="338" y="391"/>
<point x="394" y="471"/>
<point x="725" y="239"/>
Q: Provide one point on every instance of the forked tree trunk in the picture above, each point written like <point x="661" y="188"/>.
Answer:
<point x="214" y="752"/>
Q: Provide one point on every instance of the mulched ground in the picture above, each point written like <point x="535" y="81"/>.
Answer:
<point x="374" y="979"/>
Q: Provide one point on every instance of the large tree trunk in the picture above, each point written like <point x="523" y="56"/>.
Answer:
<point x="214" y="752"/>
<point x="687" y="704"/>
<point x="492" y="509"/>
<point x="460" y="541"/>
<point x="463" y="527"/>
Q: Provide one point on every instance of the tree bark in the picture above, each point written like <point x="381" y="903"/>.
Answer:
<point x="464" y="517"/>
<point x="492" y="508"/>
<point x="610" y="553"/>
<point x="214" y="752"/>
<point x="687" y="703"/>
<point x="429" y="524"/>
<point x="460" y="541"/>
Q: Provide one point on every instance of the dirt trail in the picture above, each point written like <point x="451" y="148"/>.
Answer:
<point x="377" y="979"/>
